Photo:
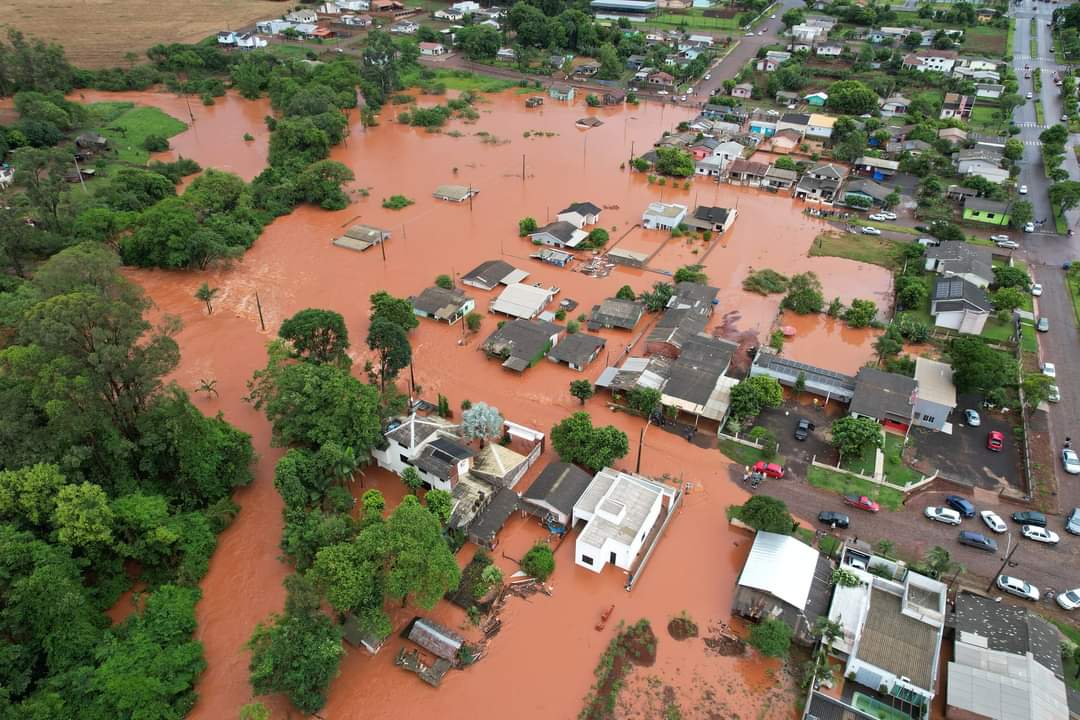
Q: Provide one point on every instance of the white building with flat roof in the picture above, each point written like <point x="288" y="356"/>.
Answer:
<point x="663" y="216"/>
<point x="619" y="510"/>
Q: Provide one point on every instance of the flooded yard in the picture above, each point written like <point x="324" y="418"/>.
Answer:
<point x="540" y="665"/>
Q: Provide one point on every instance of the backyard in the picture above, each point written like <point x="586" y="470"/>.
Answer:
<point x="988" y="118"/>
<point x="986" y="40"/>
<point x="896" y="471"/>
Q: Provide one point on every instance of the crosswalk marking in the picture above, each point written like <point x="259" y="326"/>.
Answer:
<point x="1030" y="125"/>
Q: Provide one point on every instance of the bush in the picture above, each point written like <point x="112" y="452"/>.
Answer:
<point x="473" y="321"/>
<point x="155" y="143"/>
<point x="539" y="562"/>
<point x="771" y="637"/>
<point x="444" y="281"/>
<point x="765" y="282"/>
<point x="396" y="202"/>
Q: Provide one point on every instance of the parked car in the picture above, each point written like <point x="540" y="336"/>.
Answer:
<point x="708" y="76"/>
<point x="1023" y="188"/>
<point x="1048" y="369"/>
<point x="977" y="541"/>
<point x="751" y="34"/>
<point x="870" y="231"/>
<point x="862" y="502"/>
<point x="942" y="515"/>
<point x="1053" y="393"/>
<point x="1028" y="96"/>
<point x="999" y="238"/>
<point x="1007" y="244"/>
<point x="1071" y="461"/>
<point x="995" y="440"/>
<point x="971" y="417"/>
<point x="887" y="215"/>
<point x="1072" y="522"/>
<point x="769" y="469"/>
<point x="1038" y="534"/>
<point x="961" y="505"/>
<point x="878" y="217"/>
<point x="929" y="242"/>
<point x="1017" y="587"/>
<point x="1069" y="600"/>
<point x="993" y="521"/>
<point x="803" y="428"/>
<point x="833" y="519"/>
<point x="1036" y="290"/>
<point x="1030" y="227"/>
<point x="1029" y="517"/>
<point x="1044" y="326"/>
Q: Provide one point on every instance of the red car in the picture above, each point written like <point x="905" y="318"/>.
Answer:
<point x="995" y="441"/>
<point x="862" y="502"/>
<point x="769" y="469"/>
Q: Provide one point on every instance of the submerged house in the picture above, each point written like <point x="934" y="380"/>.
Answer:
<point x="443" y="305"/>
<point x="619" y="511"/>
<point x="521" y="343"/>
<point x="491" y="273"/>
<point x="577" y="350"/>
<point x="431" y="445"/>
<point x="687" y="313"/>
<point x="555" y="491"/>
<point x="522" y="301"/>
<point x="616" y="313"/>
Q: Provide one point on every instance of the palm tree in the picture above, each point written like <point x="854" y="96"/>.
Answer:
<point x="207" y="386"/>
<point x="939" y="563"/>
<point x="346" y="464"/>
<point x="206" y="294"/>
<point x="828" y="630"/>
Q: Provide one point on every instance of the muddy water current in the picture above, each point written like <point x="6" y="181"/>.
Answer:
<point x="540" y="665"/>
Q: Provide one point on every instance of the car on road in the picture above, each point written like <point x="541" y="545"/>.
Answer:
<point x="1043" y="326"/>
<point x="749" y="34"/>
<point x="833" y="519"/>
<point x="772" y="17"/>
<point x="862" y="502"/>
<point x="708" y="76"/>
<point x="999" y="238"/>
<point x="995" y="440"/>
<point x="993" y="521"/>
<point x="971" y="417"/>
<point x="1049" y="369"/>
<point x="1029" y="95"/>
<point x="1053" y="393"/>
<point x="961" y="505"/>
<point x="1064" y="118"/>
<point x="877" y="217"/>
<point x="977" y="541"/>
<point x="1007" y="244"/>
<point x="1070" y="460"/>
<point x="887" y="215"/>
<point x="1038" y="534"/>
<point x="1017" y="587"/>
<point x="1030" y="227"/>
<point x="1023" y="190"/>
<point x="942" y="515"/>
<point x="769" y="469"/>
<point x="760" y="32"/>
<point x="1069" y="600"/>
<point x="868" y="230"/>
<point x="1029" y="517"/>
<point x="1036" y="289"/>
<point x="662" y="92"/>
<point x="1072" y="522"/>
<point x="803" y="428"/>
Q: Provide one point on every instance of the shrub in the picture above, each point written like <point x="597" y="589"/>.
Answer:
<point x="396" y="202"/>
<point x="539" y="562"/>
<point x="155" y="143"/>
<point x="771" y="637"/>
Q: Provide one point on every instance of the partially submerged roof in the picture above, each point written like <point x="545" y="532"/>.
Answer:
<point x="935" y="382"/>
<point x="687" y="314"/>
<point x="361" y="237"/>
<point x="457" y="193"/>
<point x="560" y="485"/>
<point x="881" y="395"/>
<point x="435" y="638"/>
<point x="521" y="301"/>
<point x="490" y="273"/>
<point x="566" y="233"/>
<point x="781" y="566"/>
<point x="700" y="364"/>
<point x="440" y="303"/>
<point x="617" y="312"/>
<point x="491" y="519"/>
<point x="414" y="430"/>
<point x="521" y="340"/>
<point x="619" y="503"/>
<point x="581" y="208"/>
<point x="577" y="349"/>
<point x="495" y="462"/>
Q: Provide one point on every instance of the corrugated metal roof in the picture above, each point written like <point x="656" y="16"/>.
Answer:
<point x="782" y="566"/>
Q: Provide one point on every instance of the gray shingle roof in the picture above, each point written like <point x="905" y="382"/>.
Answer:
<point x="440" y="302"/>
<point x="1010" y="629"/>
<point x="979" y="204"/>
<point x="560" y="229"/>
<point x="962" y="258"/>
<point x="962" y="292"/>
<point x="687" y="314"/>
<point x="882" y="395"/>
<point x="576" y="349"/>
<point x="582" y="208"/>
<point x="702" y="360"/>
<point x="489" y="273"/>
<point x="615" y="312"/>
<point x="559" y="485"/>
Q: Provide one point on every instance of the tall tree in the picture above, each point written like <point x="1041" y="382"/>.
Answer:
<point x="206" y="294"/>
<point x="396" y="310"/>
<point x="391" y="343"/>
<point x="318" y="336"/>
<point x="482" y="422"/>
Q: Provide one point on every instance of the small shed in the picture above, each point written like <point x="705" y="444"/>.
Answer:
<point x="455" y="193"/>
<point x="440" y="641"/>
<point x="92" y="141"/>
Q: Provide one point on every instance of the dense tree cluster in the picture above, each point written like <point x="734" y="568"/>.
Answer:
<point x="103" y="468"/>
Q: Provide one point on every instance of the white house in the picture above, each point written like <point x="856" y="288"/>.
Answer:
<point x="580" y="214"/>
<point x="405" y="27"/>
<point x="467" y="7"/>
<point x="829" y="50"/>
<point x="618" y="509"/>
<point x="248" y="41"/>
<point x="329" y="8"/>
<point x="989" y="91"/>
<point x="302" y="16"/>
<point x="505" y="53"/>
<point x="807" y="34"/>
<point x="432" y="49"/>
<point x="7" y="176"/>
<point x="431" y="445"/>
<point x="663" y="216"/>
<point x="936" y="396"/>
<point x="959" y="305"/>
<point x="226" y="37"/>
<point x="354" y="5"/>
<point x="449" y="14"/>
<point x="933" y="60"/>
<point x="559" y="234"/>
<point x="522" y="301"/>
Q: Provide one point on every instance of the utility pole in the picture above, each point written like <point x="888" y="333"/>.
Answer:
<point x="258" y="304"/>
<point x="631" y="161"/>
<point x="78" y="171"/>
<point x="1006" y="561"/>
<point x="641" y="442"/>
<point x="522" y="167"/>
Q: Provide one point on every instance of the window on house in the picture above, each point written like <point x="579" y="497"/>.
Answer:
<point x="989" y="216"/>
<point x="586" y="559"/>
<point x="928" y="418"/>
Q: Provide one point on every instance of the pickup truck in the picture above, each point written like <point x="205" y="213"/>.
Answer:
<point x="862" y="502"/>
<point x="802" y="430"/>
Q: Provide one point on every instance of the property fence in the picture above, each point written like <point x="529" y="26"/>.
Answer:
<point x="905" y="488"/>
<point x="676" y="500"/>
<point x="743" y="441"/>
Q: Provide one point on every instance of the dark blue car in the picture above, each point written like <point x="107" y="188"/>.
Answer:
<point x="961" y="505"/>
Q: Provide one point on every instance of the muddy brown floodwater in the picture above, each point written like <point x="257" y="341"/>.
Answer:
<point x="540" y="665"/>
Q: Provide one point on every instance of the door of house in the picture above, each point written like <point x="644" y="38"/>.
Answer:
<point x="613" y="560"/>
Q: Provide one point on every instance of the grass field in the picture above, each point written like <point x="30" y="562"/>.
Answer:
<point x="986" y="40"/>
<point x="986" y="117"/>
<point x="694" y="18"/>
<point x="845" y="484"/>
<point x="872" y="249"/>
<point x="127" y="126"/>
<point x="1009" y="40"/>
<point x="99" y="33"/>
<point x="461" y="80"/>
<point x="896" y="472"/>
<point x="739" y="453"/>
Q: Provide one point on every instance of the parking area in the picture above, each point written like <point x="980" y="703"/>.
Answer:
<point x="782" y="421"/>
<point x="964" y="457"/>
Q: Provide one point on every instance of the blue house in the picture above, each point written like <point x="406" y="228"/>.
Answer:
<point x="561" y="92"/>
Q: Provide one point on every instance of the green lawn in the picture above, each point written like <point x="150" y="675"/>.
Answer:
<point x="127" y="125"/>
<point x="896" y="472"/>
<point x="1060" y="223"/>
<point x="1028" y="342"/>
<point x="694" y="18"/>
<point x="1040" y="116"/>
<point x="997" y="330"/>
<point x="462" y="80"/>
<point x="986" y="40"/>
<point x="1009" y="40"/>
<point x="739" y="453"/>
<point x="863" y="464"/>
<point x="845" y="484"/>
<point x="872" y="249"/>
<point x="986" y="117"/>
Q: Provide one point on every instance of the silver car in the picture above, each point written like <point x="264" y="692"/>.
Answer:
<point x="972" y="418"/>
<point x="1017" y="587"/>
<point x="1040" y="534"/>
<point x="1071" y="461"/>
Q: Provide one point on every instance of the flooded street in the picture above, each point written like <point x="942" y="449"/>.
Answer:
<point x="540" y="665"/>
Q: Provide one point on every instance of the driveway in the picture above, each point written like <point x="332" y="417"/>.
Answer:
<point x="963" y="456"/>
<point x="782" y="420"/>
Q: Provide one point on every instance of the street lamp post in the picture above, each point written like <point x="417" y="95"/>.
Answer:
<point x="1010" y="551"/>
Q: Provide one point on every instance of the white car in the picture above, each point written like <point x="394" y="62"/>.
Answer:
<point x="1030" y="227"/>
<point x="760" y="32"/>
<point x="972" y="418"/>
<point x="749" y="34"/>
<point x="887" y="215"/>
<point x="662" y="92"/>
<point x="708" y="76"/>
<point x="1023" y="189"/>
<point x="942" y="515"/>
<point x="1029" y="96"/>
<point x="993" y="521"/>
<point x="870" y="231"/>
<point x="1039" y="534"/>
<point x="1049" y="370"/>
<point x="1036" y="290"/>
<point x="772" y="17"/>
<point x="1069" y="600"/>
<point x="1053" y="393"/>
<point x="999" y="238"/>
<point x="1071" y="461"/>
<point x="1007" y="244"/>
<point x="878" y="217"/>
<point x="1017" y="587"/>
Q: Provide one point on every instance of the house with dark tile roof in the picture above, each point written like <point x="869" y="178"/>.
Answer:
<point x="616" y="313"/>
<point x="442" y="304"/>
<point x="521" y="343"/>
<point x="959" y="305"/>
<point x="883" y="396"/>
<point x="554" y="492"/>
<point x="577" y="350"/>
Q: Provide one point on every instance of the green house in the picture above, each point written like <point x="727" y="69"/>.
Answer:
<point x="991" y="212"/>
<point x="817" y="99"/>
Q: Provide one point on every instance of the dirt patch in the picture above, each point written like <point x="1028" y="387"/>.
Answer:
<point x="682" y="627"/>
<point x="635" y="645"/>
<point x="108" y="29"/>
<point x="722" y="640"/>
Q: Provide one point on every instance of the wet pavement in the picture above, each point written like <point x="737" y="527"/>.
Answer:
<point x="546" y="642"/>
